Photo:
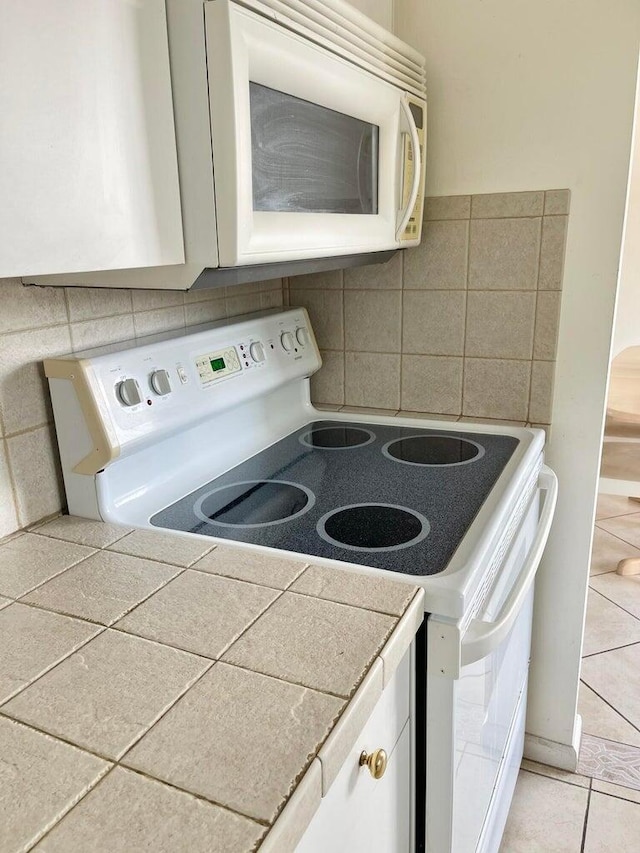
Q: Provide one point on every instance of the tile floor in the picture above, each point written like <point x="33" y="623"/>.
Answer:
<point x="597" y="809"/>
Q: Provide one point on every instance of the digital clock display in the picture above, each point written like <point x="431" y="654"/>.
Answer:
<point x="217" y="364"/>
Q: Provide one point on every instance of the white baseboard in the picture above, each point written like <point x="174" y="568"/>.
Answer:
<point x="561" y="755"/>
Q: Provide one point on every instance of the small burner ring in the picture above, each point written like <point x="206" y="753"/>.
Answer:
<point x="423" y="450"/>
<point x="269" y="502"/>
<point x="336" y="437"/>
<point x="373" y="527"/>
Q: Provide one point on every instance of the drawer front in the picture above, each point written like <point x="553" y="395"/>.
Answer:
<point x="360" y="813"/>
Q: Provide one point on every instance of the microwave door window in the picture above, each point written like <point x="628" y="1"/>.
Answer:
<point x="310" y="159"/>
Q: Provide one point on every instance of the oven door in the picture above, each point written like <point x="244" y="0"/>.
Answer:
<point x="313" y="156"/>
<point x="475" y="722"/>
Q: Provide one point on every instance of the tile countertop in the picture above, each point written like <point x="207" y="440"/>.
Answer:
<point x="159" y="692"/>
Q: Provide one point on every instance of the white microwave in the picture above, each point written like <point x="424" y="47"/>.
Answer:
<point x="300" y="136"/>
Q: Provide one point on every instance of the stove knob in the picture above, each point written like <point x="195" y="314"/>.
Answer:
<point x="257" y="352"/>
<point x="128" y="392"/>
<point x="288" y="341"/>
<point x="160" y="382"/>
<point x="302" y="336"/>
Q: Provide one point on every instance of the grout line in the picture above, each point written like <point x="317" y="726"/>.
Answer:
<point x="586" y="820"/>
<point x="613" y="708"/>
<point x="615" y="603"/>
<point x="614" y="649"/>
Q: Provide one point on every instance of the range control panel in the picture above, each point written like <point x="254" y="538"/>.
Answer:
<point x="157" y="388"/>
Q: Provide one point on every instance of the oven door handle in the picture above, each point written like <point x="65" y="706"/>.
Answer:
<point x="481" y="638"/>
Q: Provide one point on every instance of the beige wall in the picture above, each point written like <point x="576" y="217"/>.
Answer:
<point x="37" y="322"/>
<point x="464" y="325"/>
<point x="525" y="95"/>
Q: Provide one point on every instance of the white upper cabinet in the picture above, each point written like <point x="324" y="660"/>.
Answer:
<point x="88" y="166"/>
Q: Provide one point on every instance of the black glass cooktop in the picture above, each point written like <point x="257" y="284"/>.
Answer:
<point x="393" y="497"/>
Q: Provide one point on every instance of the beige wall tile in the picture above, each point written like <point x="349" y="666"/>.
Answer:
<point x="349" y="637"/>
<point x="330" y="280"/>
<point x="30" y="560"/>
<point x="201" y="613"/>
<point x="204" y="294"/>
<point x="496" y="388"/>
<point x="325" y="311"/>
<point x="271" y="299"/>
<point x="159" y="320"/>
<point x="547" y="323"/>
<point x="33" y="641"/>
<point x="97" y="333"/>
<point x="33" y="459"/>
<point x="432" y="384"/>
<point x="89" y="303"/>
<point x="202" y="743"/>
<point x="239" y="305"/>
<point x="368" y="411"/>
<point x="503" y="205"/>
<point x="45" y="780"/>
<point x="24" y="396"/>
<point x="103" y="587"/>
<point x="440" y="261"/>
<point x="500" y="324"/>
<point x="205" y="312"/>
<point x="372" y="321"/>
<point x="447" y="207"/>
<point x="556" y="202"/>
<point x="542" y="373"/>
<point x="8" y="515"/>
<point x="30" y="307"/>
<point x="433" y="322"/>
<point x="327" y="384"/>
<point x="106" y="696"/>
<point x="251" y="566"/>
<point x="377" y="276"/>
<point x="503" y="254"/>
<point x="149" y="300"/>
<point x="127" y="811"/>
<point x="372" y="379"/>
<point x="406" y="413"/>
<point x="554" y="234"/>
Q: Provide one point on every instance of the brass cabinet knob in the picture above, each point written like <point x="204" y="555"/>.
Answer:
<point x="376" y="761"/>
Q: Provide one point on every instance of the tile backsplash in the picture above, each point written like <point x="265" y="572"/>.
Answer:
<point x="465" y="325"/>
<point x="38" y="322"/>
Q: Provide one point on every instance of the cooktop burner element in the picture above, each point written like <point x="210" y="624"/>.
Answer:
<point x="433" y="450"/>
<point x="254" y="503"/>
<point x="284" y="496"/>
<point x="373" y="527"/>
<point x="337" y="437"/>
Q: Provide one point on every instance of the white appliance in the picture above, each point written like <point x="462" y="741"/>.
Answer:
<point x="214" y="434"/>
<point x="301" y="133"/>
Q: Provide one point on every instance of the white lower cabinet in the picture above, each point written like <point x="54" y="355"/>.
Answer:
<point x="360" y="814"/>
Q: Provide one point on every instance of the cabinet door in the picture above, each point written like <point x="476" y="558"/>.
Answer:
<point x="88" y="168"/>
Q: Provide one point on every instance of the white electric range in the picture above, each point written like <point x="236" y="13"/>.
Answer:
<point x="213" y="434"/>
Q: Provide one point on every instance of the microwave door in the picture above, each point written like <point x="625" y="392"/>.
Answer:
<point x="305" y="145"/>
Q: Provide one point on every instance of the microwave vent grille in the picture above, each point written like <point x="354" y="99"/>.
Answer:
<point x="339" y="27"/>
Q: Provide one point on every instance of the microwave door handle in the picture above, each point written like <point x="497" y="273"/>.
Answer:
<point x="481" y="638"/>
<point x="417" y="168"/>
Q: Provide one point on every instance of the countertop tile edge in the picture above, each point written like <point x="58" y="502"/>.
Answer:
<point x="394" y="649"/>
<point x="291" y="824"/>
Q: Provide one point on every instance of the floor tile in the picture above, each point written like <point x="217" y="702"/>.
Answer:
<point x="607" y="626"/>
<point x="360" y="590"/>
<point x="613" y="825"/>
<point x="555" y="773"/>
<point x="40" y="779"/>
<point x="83" y="531"/>
<point x="164" y="547"/>
<point x="32" y="641"/>
<point x="245" y="565"/>
<point x="608" y="674"/>
<point x="601" y="720"/>
<point x="316" y="643"/>
<point x="127" y="812"/>
<point x="105" y="696"/>
<point x="608" y="550"/>
<point x="29" y="560"/>
<point x="200" y="613"/>
<point x="104" y="587"/>
<point x="205" y="746"/>
<point x="610" y="761"/>
<point x="626" y="527"/>
<point x="616" y="790"/>
<point x="546" y="815"/>
<point x="609" y="506"/>
<point x="623" y="590"/>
